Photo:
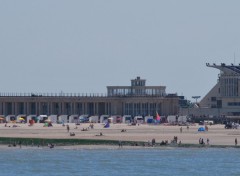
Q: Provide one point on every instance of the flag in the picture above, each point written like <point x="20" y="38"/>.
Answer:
<point x="158" y="118"/>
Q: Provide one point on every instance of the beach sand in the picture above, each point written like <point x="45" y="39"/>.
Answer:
<point x="216" y="134"/>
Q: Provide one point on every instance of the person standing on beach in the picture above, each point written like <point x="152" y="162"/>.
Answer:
<point x="235" y="141"/>
<point x="68" y="128"/>
<point x="153" y="141"/>
<point x="181" y="130"/>
<point x="120" y="144"/>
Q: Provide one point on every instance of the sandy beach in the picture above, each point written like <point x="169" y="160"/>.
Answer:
<point x="216" y="134"/>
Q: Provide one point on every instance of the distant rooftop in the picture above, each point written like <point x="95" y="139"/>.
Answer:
<point x="226" y="69"/>
<point x="138" y="88"/>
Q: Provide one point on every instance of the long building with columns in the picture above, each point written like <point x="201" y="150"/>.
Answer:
<point x="136" y="99"/>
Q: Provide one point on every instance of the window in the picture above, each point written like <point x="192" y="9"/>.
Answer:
<point x="213" y="99"/>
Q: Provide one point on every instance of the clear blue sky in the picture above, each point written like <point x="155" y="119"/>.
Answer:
<point x="83" y="46"/>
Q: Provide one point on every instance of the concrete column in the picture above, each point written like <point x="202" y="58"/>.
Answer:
<point x="85" y="108"/>
<point x="37" y="108"/>
<point x="51" y="108"/>
<point x="97" y="112"/>
<point x="1" y="108"/>
<point x="141" y="111"/>
<point x="62" y="108"/>
<point x="133" y="109"/>
<point x="48" y="108"/>
<point x="95" y="108"/>
<point x="15" y="109"/>
<point x="105" y="108"/>
<point x="4" y="108"/>
<point x="108" y="112"/>
<point x="27" y="108"/>
<point x="74" y="108"/>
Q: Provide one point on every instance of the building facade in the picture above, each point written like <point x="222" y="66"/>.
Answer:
<point x="224" y="98"/>
<point x="136" y="99"/>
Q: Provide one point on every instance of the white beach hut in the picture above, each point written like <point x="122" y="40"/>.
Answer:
<point x="21" y="118"/>
<point x="127" y="119"/>
<point x="53" y="118"/>
<point x="93" y="119"/>
<point x="172" y="119"/>
<point x="147" y="118"/>
<point x="42" y="118"/>
<point x="74" y="119"/>
<point x="63" y="118"/>
<point x="182" y="119"/>
<point x="138" y="119"/>
<point x="84" y="118"/>
<point x="104" y="118"/>
<point x="10" y="118"/>
<point x="32" y="117"/>
<point x="112" y="119"/>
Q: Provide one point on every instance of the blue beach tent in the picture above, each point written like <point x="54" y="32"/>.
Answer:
<point x="201" y="129"/>
<point x="107" y="125"/>
<point x="150" y="121"/>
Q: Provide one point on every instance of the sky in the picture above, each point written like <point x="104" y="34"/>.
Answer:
<point x="82" y="46"/>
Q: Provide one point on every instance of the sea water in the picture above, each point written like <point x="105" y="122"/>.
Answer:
<point x="68" y="162"/>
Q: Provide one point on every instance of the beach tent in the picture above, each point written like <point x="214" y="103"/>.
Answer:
<point x="93" y="119"/>
<point x="138" y="119"/>
<point x="127" y="119"/>
<point x="11" y="118"/>
<point x="151" y="121"/>
<point x="53" y="118"/>
<point x="104" y="118"/>
<point x="201" y="129"/>
<point x="148" y="119"/>
<point x="107" y="125"/>
<point x="74" y="119"/>
<point x="63" y="118"/>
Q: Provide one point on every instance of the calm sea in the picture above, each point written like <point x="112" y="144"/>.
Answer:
<point x="67" y="162"/>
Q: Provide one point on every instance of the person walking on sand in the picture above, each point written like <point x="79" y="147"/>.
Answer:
<point x="68" y="128"/>
<point x="235" y="141"/>
<point x="181" y="130"/>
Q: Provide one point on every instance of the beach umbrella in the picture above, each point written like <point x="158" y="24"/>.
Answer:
<point x="21" y="118"/>
<point x="48" y="120"/>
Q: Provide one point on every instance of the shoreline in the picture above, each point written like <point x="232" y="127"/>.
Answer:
<point x="95" y="144"/>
